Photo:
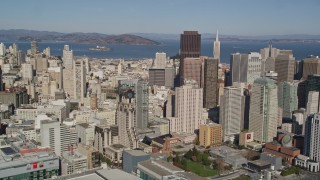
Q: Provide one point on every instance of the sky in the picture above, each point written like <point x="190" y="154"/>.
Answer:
<point x="232" y="17"/>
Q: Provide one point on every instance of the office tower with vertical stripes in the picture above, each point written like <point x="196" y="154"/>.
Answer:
<point x="245" y="68"/>
<point x="263" y="115"/>
<point x="288" y="98"/>
<point x="231" y="113"/>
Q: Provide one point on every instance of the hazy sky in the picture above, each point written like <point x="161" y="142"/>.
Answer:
<point x="233" y="17"/>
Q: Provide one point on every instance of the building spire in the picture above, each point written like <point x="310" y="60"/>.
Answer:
<point x="216" y="47"/>
<point x="217" y="36"/>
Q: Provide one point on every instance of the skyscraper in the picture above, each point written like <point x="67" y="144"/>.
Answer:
<point x="245" y="68"/>
<point x="26" y="71"/>
<point x="188" y="109"/>
<point x="231" y="114"/>
<point x="79" y="81"/>
<point x="126" y="116"/>
<point x="263" y="110"/>
<point x="2" y="49"/>
<point x="312" y="137"/>
<point x="192" y="70"/>
<point x="160" y="60"/>
<point x="311" y="66"/>
<point x="34" y="47"/>
<point x="284" y="66"/>
<point x="312" y="84"/>
<point x="210" y="87"/>
<point x="67" y="57"/>
<point x="288" y="98"/>
<point x="190" y="46"/>
<point x="216" y="48"/>
<point x="313" y="102"/>
<point x="68" y="73"/>
<point x="140" y="100"/>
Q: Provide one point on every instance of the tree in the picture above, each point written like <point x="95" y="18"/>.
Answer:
<point x="177" y="159"/>
<point x="189" y="154"/>
<point x="184" y="163"/>
<point x="195" y="151"/>
<point x="219" y="165"/>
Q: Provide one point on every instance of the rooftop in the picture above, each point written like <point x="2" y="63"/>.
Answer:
<point x="160" y="167"/>
<point x="116" y="174"/>
<point x="136" y="152"/>
<point x="260" y="163"/>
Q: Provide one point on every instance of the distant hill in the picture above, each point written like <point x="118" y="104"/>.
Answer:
<point x="224" y="37"/>
<point x="78" y="37"/>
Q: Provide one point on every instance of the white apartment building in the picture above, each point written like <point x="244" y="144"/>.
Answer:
<point x="189" y="105"/>
<point x="232" y="106"/>
<point x="58" y="137"/>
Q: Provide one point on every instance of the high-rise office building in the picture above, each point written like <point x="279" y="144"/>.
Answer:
<point x="192" y="70"/>
<point x="269" y="52"/>
<point x="288" y="98"/>
<point x="188" y="107"/>
<point x="311" y="66"/>
<point x="231" y="113"/>
<point x="298" y="70"/>
<point x="190" y="46"/>
<point x="313" y="102"/>
<point x="284" y="66"/>
<point x="2" y="49"/>
<point x="58" y="137"/>
<point x="79" y="81"/>
<point x="160" y="60"/>
<point x="210" y="86"/>
<point x="312" y="138"/>
<point x="216" y="48"/>
<point x="245" y="68"/>
<point x="68" y="73"/>
<point x="302" y="93"/>
<point x="26" y="71"/>
<point x="312" y="84"/>
<point x="263" y="115"/>
<point x="140" y="100"/>
<point x="67" y="57"/>
<point x="34" y="47"/>
<point x="126" y="117"/>
<point x="298" y="120"/>
<point x="162" y="77"/>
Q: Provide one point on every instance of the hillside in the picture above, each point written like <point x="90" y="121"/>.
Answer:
<point x="78" y="37"/>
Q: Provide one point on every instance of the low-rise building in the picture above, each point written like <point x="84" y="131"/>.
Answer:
<point x="229" y="155"/>
<point x="73" y="162"/>
<point x="22" y="160"/>
<point x="210" y="134"/>
<point x="286" y="153"/>
<point x="131" y="158"/>
<point x="160" y="169"/>
<point x="114" y="153"/>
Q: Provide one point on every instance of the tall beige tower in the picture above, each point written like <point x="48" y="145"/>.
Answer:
<point x="68" y="74"/>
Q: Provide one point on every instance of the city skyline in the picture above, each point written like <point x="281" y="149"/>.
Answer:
<point x="230" y="17"/>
